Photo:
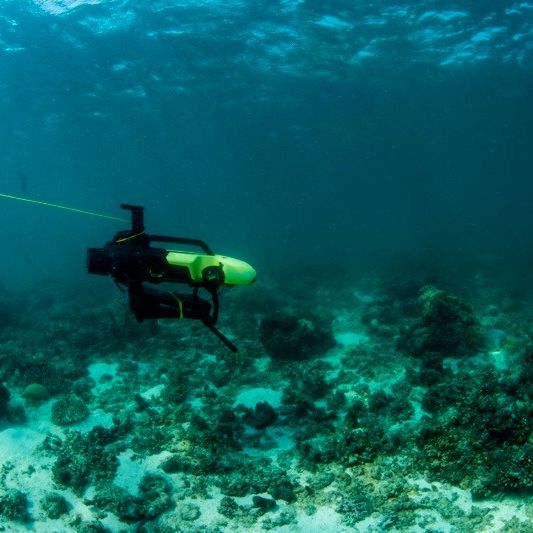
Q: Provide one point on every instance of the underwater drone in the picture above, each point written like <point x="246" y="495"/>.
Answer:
<point x="131" y="261"/>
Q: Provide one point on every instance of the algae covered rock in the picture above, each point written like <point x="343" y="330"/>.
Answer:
<point x="84" y="459"/>
<point x="234" y="484"/>
<point x="54" y="505"/>
<point x="447" y="326"/>
<point x="69" y="410"/>
<point x="483" y="443"/>
<point x="264" y="504"/>
<point x="55" y="371"/>
<point x="5" y="395"/>
<point x="155" y="492"/>
<point x="282" y="488"/>
<point x="35" y="393"/>
<point x="14" y="505"/>
<point x="198" y="461"/>
<point x="229" y="508"/>
<point x="262" y="416"/>
<point x="189" y="512"/>
<point x="126" y="507"/>
<point x="287" y="517"/>
<point x="95" y="526"/>
<point x="154" y="499"/>
<point x="355" y="508"/>
<point x="288" y="336"/>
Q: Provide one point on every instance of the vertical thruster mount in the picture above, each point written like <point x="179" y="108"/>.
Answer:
<point x="137" y="217"/>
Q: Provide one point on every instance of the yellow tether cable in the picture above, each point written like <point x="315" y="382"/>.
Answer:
<point x="180" y="304"/>
<point x="124" y="239"/>
<point x="47" y="204"/>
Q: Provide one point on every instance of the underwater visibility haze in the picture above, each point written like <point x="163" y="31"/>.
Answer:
<point x="372" y="161"/>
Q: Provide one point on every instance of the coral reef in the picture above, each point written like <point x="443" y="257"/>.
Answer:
<point x="393" y="416"/>
<point x="286" y="335"/>
<point x="85" y="459"/>
<point x="69" y="410"/>
<point x="13" y="505"/>
<point x="493" y="427"/>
